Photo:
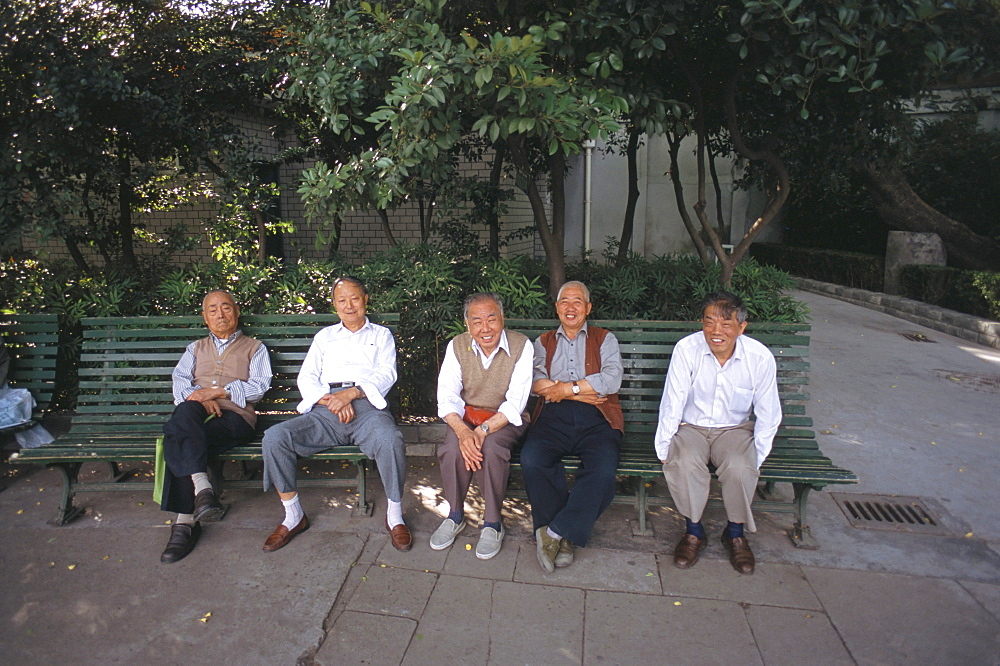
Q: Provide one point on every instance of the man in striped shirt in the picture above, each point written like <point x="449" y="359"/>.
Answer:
<point x="215" y="384"/>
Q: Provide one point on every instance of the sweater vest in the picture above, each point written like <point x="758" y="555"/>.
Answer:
<point x="486" y="388"/>
<point x="214" y="371"/>
<point x="612" y="409"/>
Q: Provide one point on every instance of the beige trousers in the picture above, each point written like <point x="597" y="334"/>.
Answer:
<point x="731" y="451"/>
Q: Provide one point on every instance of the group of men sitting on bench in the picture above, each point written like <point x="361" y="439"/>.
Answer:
<point x="716" y="379"/>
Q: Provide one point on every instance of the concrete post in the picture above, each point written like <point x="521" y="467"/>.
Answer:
<point x="910" y="247"/>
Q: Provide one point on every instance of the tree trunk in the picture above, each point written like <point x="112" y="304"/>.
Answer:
<point x="496" y="172"/>
<point x="902" y="208"/>
<point x="125" y="230"/>
<point x="384" y="216"/>
<point x="552" y="238"/>
<point x="628" y="226"/>
<point x="674" y="144"/>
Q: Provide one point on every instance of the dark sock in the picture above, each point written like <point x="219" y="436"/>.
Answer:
<point x="457" y="516"/>
<point x="495" y="525"/>
<point x="734" y="530"/>
<point x="695" y="528"/>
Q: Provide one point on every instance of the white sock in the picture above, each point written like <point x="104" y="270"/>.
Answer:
<point x="394" y="515"/>
<point x="200" y="482"/>
<point x="554" y="535"/>
<point x="184" y="519"/>
<point x="293" y="512"/>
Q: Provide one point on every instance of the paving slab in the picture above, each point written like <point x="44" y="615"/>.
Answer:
<point x="536" y="624"/>
<point x="364" y="638"/>
<point x="391" y="591"/>
<point x="455" y="627"/>
<point x="770" y="585"/>
<point x="594" y="569"/>
<point x="462" y="560"/>
<point x="790" y="636"/>
<point x="637" y="628"/>
<point x="895" y="619"/>
<point x="103" y="593"/>
<point x="986" y="594"/>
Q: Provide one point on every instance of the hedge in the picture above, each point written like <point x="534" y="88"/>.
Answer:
<point x="851" y="269"/>
<point x="972" y="292"/>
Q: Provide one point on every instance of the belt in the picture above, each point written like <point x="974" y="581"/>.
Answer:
<point x="334" y="385"/>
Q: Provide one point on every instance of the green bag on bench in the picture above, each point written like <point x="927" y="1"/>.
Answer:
<point x="159" y="466"/>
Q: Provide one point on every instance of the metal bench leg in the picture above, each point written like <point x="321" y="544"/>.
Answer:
<point x="801" y="535"/>
<point x="641" y="507"/>
<point x="363" y="505"/>
<point x="115" y="472"/>
<point x="67" y="511"/>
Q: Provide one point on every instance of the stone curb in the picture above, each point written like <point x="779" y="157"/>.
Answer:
<point x="975" y="329"/>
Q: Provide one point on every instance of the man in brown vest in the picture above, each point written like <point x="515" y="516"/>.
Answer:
<point x="578" y="371"/>
<point x="215" y="384"/>
<point x="483" y="387"/>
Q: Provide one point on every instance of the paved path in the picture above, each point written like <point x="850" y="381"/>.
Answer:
<point x="905" y="415"/>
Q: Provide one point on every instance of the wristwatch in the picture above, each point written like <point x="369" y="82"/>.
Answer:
<point x="576" y="389"/>
<point x="485" y="428"/>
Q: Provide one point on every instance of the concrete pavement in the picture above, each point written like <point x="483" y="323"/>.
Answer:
<point x="911" y="418"/>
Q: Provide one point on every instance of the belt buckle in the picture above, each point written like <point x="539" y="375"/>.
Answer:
<point x="334" y="385"/>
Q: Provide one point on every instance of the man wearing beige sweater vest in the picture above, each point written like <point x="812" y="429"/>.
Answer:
<point x="483" y="387"/>
<point x="215" y="384"/>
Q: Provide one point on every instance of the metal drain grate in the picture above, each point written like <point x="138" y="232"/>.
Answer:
<point x="917" y="337"/>
<point x="894" y="513"/>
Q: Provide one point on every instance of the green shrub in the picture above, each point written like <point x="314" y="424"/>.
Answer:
<point x="851" y="269"/>
<point x="972" y="292"/>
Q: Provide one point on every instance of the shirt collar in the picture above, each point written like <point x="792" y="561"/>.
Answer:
<point x="343" y="329"/>
<point x="503" y="344"/>
<point x="220" y="342"/>
<point x="582" y="331"/>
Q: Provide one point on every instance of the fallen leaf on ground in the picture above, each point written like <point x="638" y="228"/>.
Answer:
<point x="71" y="567"/>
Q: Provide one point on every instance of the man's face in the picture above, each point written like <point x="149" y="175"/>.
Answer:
<point x="351" y="304"/>
<point x="485" y="323"/>
<point x="573" y="308"/>
<point x="721" y="332"/>
<point x="221" y="314"/>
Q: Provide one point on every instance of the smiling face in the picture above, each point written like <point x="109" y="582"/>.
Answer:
<point x="485" y="323"/>
<point x="221" y="314"/>
<point x="573" y="308"/>
<point x="721" y="331"/>
<point x="351" y="304"/>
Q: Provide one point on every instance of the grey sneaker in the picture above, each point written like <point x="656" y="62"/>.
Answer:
<point x="565" y="556"/>
<point x="489" y="542"/>
<point x="546" y="549"/>
<point x="446" y="533"/>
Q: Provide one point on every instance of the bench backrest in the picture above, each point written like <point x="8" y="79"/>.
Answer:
<point x="126" y="364"/>
<point x="646" y="347"/>
<point x="32" y="342"/>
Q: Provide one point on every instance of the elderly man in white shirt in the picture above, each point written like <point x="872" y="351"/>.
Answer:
<point x="483" y="387"/>
<point x="715" y="380"/>
<point x="347" y="372"/>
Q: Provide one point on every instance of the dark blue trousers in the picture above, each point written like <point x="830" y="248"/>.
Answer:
<point x="187" y="442"/>
<point x="570" y="428"/>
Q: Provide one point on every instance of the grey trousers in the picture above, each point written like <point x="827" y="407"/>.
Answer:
<point x="732" y="452"/>
<point x="372" y="430"/>
<point x="491" y="477"/>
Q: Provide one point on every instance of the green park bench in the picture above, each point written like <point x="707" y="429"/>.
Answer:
<point x="795" y="457"/>
<point x="32" y="342"/>
<point x="126" y="397"/>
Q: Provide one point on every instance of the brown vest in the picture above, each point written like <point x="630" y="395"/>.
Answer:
<point x="612" y="409"/>
<point x="486" y="388"/>
<point x="212" y="370"/>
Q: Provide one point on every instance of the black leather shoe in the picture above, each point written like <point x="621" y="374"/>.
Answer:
<point x="182" y="541"/>
<point x="207" y="508"/>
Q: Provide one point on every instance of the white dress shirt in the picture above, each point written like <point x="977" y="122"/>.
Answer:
<point x="449" y="392"/>
<point x="703" y="393"/>
<point x="366" y="357"/>
<point x="252" y="390"/>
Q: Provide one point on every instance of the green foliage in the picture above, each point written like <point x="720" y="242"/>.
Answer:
<point x="851" y="269"/>
<point x="972" y="292"/>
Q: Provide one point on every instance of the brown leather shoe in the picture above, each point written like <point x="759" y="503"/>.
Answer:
<point x="400" y="537"/>
<point x="740" y="555"/>
<point x="687" y="551"/>
<point x="282" y="535"/>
